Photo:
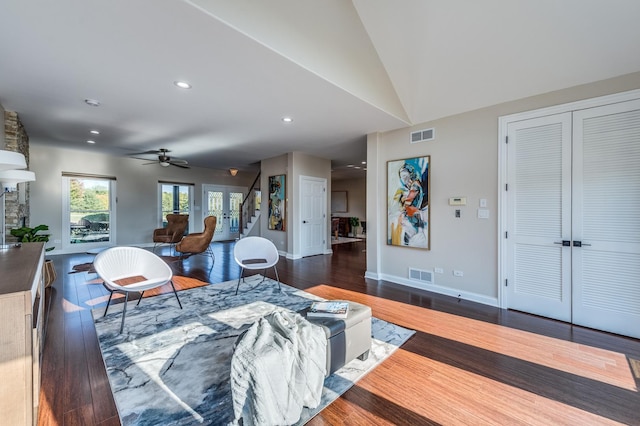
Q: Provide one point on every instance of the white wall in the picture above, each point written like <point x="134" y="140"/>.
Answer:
<point x="2" y="146"/>
<point x="302" y="164"/>
<point x="137" y="208"/>
<point x="273" y="167"/>
<point x="293" y="165"/>
<point x="464" y="162"/>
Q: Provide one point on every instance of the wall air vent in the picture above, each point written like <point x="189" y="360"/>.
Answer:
<point x="425" y="277"/>
<point x="423" y="135"/>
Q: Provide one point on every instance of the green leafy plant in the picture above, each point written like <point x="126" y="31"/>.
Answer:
<point x="31" y="235"/>
<point x="354" y="221"/>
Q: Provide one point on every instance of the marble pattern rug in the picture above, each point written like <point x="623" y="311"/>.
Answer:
<point x="172" y="366"/>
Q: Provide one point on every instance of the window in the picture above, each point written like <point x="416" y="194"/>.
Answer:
<point x="175" y="198"/>
<point x="89" y="204"/>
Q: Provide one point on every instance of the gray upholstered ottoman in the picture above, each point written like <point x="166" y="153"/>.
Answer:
<point x="347" y="338"/>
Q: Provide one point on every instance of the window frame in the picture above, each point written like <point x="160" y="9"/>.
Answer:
<point x="66" y="213"/>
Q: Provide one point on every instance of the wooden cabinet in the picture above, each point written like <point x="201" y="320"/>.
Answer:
<point x="341" y="225"/>
<point x="21" y="332"/>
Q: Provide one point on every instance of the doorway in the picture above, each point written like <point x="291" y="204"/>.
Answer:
<point x="223" y="202"/>
<point x="571" y="218"/>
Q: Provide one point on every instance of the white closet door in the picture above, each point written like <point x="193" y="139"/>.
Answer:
<point x="539" y="216"/>
<point x="606" y="218"/>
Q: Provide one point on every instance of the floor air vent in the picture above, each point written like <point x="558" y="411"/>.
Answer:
<point x="425" y="277"/>
<point x="423" y="135"/>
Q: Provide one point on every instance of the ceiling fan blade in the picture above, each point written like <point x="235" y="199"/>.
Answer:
<point x="179" y="165"/>
<point x="150" y="152"/>
<point x="178" y="161"/>
<point x="150" y="162"/>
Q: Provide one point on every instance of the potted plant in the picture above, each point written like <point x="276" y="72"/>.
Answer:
<point x="354" y="222"/>
<point x="32" y="235"/>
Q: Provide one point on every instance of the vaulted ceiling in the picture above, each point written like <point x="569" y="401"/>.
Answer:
<point x="340" y="69"/>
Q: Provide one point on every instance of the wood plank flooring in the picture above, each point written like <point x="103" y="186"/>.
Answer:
<point x="467" y="363"/>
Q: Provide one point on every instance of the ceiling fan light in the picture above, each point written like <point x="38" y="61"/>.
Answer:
<point x="164" y="163"/>
<point x="233" y="171"/>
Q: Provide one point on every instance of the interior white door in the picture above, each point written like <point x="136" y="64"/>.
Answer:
<point x="313" y="208"/>
<point x="223" y="202"/>
<point x="606" y="218"/>
<point x="539" y="216"/>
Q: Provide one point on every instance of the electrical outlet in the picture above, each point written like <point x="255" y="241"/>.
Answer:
<point x="458" y="273"/>
<point x="438" y="270"/>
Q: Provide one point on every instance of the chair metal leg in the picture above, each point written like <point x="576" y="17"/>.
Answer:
<point x="277" y="277"/>
<point x="140" y="300"/>
<point x="241" y="274"/>
<point x="124" y="311"/>
<point x="176" y="293"/>
<point x="213" y="258"/>
<point x="108" y="303"/>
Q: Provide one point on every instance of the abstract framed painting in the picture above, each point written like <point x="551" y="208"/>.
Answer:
<point x="408" y="202"/>
<point x="277" y="201"/>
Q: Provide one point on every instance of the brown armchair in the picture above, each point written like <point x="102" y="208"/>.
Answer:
<point x="173" y="232"/>
<point x="199" y="242"/>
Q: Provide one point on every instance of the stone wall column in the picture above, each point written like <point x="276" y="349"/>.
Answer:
<point x="16" y="206"/>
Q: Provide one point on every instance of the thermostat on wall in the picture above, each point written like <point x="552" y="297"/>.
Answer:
<point x="458" y="201"/>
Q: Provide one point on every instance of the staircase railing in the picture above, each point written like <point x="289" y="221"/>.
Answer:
<point x="248" y="205"/>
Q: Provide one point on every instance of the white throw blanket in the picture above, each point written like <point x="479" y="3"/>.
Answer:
<point x="278" y="367"/>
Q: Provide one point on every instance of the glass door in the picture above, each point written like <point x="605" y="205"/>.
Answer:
<point x="223" y="202"/>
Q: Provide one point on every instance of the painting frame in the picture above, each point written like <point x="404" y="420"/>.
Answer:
<point x="408" y="202"/>
<point x="276" y="212"/>
<point x="339" y="201"/>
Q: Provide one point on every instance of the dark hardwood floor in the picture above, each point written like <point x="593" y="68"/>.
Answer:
<point x="467" y="363"/>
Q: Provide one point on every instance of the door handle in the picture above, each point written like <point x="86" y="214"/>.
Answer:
<point x="304" y="221"/>
<point x="580" y="244"/>
<point x="565" y="243"/>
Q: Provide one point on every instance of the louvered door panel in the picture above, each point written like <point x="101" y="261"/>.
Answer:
<point x="606" y="218"/>
<point x="539" y="159"/>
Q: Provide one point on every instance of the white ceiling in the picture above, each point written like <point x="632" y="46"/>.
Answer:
<point x="341" y="69"/>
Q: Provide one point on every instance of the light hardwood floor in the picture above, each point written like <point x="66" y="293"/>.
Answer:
<point x="467" y="364"/>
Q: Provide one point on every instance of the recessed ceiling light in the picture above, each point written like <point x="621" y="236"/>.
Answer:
<point x="94" y="132"/>
<point x="287" y="119"/>
<point x="92" y="102"/>
<point x="349" y="165"/>
<point x="182" y="84"/>
<point x="91" y="142"/>
<point x="364" y="162"/>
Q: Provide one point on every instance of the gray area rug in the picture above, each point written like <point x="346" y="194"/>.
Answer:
<point x="172" y="366"/>
<point x="342" y="240"/>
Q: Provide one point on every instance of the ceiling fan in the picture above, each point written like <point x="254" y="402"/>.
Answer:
<point x="163" y="159"/>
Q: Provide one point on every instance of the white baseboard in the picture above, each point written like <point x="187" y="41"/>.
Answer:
<point x="447" y="291"/>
